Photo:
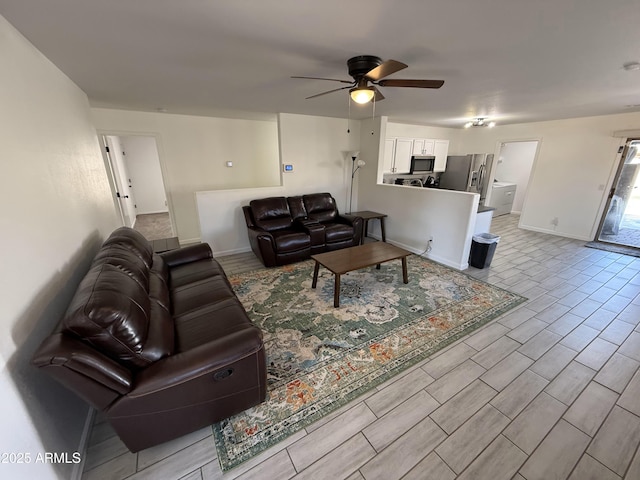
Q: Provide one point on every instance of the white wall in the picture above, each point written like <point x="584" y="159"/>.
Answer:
<point x="143" y="165"/>
<point x="514" y="164"/>
<point x="193" y="151"/>
<point x="316" y="147"/>
<point x="572" y="173"/>
<point x="416" y="214"/>
<point x="57" y="208"/>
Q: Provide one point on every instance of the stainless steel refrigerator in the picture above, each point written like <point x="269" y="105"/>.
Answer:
<point x="468" y="173"/>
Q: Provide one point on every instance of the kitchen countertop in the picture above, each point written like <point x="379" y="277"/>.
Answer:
<point x="485" y="209"/>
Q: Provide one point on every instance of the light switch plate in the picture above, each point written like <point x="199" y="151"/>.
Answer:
<point x="229" y="164"/>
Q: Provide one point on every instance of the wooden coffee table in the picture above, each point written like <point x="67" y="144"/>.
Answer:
<point x="346" y="260"/>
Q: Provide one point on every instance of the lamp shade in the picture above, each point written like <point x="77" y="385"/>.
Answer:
<point x="362" y="95"/>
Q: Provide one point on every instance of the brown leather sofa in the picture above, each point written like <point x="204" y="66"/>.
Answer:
<point x="158" y="342"/>
<point x="289" y="229"/>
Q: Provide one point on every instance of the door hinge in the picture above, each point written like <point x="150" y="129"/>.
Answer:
<point x="107" y="149"/>
<point x="118" y="194"/>
<point x="612" y="192"/>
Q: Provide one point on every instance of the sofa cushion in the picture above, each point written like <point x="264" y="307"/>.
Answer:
<point x="132" y="240"/>
<point x="338" y="232"/>
<point x="110" y="311"/>
<point x="126" y="261"/>
<point x="271" y="214"/>
<point x="203" y="292"/>
<point x="193" y="272"/>
<point x="296" y="207"/>
<point x="210" y="322"/>
<point x="290" y="240"/>
<point x="321" y="207"/>
<point x="118" y="313"/>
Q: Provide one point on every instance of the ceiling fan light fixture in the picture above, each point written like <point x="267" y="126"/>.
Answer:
<point x="362" y="95"/>
<point x="479" y="122"/>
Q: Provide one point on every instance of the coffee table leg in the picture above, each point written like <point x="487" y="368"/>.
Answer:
<point x="336" y="292"/>
<point x="384" y="236"/>
<point x="315" y="275"/>
<point x="405" y="276"/>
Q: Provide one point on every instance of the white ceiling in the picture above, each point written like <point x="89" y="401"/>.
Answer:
<point x="512" y="60"/>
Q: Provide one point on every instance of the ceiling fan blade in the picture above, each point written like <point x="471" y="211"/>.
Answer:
<point x="378" y="94"/>
<point x="330" y="79"/>
<point x="330" y="91"/>
<point x="386" y="68"/>
<point x="411" y="83"/>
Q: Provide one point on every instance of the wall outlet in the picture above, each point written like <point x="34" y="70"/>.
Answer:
<point x="554" y="221"/>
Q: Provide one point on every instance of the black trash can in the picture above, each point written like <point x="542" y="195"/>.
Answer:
<point x="483" y="246"/>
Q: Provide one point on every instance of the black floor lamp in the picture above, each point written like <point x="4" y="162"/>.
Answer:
<point x="355" y="166"/>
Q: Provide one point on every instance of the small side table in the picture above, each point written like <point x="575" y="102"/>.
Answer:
<point x="165" y="244"/>
<point x="368" y="215"/>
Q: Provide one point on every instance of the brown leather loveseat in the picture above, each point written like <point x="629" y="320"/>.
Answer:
<point x="289" y="229"/>
<point x="159" y="342"/>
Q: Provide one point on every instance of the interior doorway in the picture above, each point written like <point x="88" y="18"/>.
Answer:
<point x="620" y="223"/>
<point x="137" y="182"/>
<point x="514" y="164"/>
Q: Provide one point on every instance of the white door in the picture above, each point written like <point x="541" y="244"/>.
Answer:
<point x="123" y="191"/>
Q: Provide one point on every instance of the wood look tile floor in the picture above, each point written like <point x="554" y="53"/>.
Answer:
<point x="549" y="390"/>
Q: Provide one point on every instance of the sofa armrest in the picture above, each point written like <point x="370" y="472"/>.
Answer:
<point x="311" y="227"/>
<point x="263" y="245"/>
<point x="350" y="219"/>
<point x="93" y="376"/>
<point x="203" y="361"/>
<point x="192" y="253"/>
<point x="357" y="223"/>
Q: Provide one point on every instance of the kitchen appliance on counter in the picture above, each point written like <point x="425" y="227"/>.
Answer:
<point x="468" y="173"/>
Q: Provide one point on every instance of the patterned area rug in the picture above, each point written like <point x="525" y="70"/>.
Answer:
<point x="319" y="357"/>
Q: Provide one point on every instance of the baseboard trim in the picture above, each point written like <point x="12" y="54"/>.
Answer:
<point x="222" y="253"/>
<point x="423" y="254"/>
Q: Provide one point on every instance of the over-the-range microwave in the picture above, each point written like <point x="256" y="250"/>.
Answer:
<point x="422" y="164"/>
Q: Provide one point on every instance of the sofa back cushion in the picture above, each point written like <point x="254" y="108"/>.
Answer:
<point x="121" y="305"/>
<point x="321" y="207"/>
<point x="296" y="207"/>
<point x="271" y="213"/>
<point x="132" y="240"/>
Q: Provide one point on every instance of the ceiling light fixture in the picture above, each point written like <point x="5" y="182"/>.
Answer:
<point x="480" y="122"/>
<point x="631" y="66"/>
<point x="362" y="95"/>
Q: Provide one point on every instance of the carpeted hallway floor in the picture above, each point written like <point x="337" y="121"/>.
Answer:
<point x="154" y="225"/>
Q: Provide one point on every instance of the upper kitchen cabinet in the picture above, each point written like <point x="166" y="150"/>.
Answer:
<point x="423" y="146"/>
<point x="440" y="151"/>
<point x="399" y="150"/>
<point x="397" y="155"/>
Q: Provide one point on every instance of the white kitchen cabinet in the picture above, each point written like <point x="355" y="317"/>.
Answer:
<point x="423" y="146"/>
<point x="441" y="149"/>
<point x="397" y="155"/>
<point x="389" y="150"/>
<point x="398" y="152"/>
<point x="403" y="153"/>
<point x="502" y="195"/>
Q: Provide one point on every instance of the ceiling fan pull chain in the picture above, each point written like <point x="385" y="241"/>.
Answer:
<point x="373" y="114"/>
<point x="349" y="117"/>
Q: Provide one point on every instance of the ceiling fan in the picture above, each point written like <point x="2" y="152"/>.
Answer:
<point x="367" y="69"/>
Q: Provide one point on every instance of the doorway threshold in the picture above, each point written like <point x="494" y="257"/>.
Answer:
<point x="615" y="248"/>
